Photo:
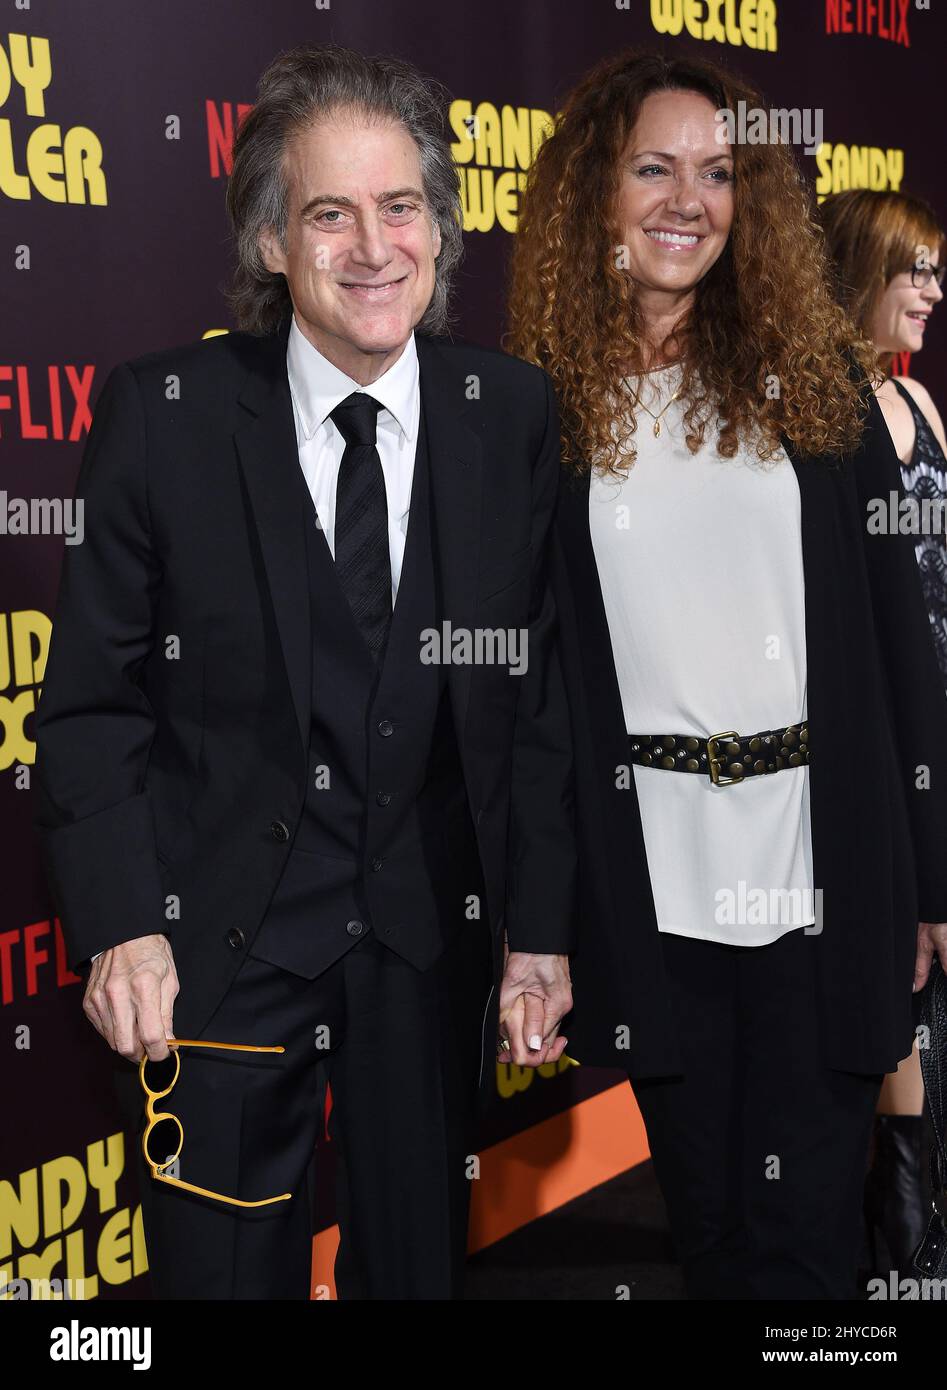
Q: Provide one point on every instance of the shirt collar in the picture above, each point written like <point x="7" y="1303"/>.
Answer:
<point x="318" y="386"/>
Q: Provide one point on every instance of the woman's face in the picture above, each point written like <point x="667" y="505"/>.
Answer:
<point x="899" y="320"/>
<point x="675" y="199"/>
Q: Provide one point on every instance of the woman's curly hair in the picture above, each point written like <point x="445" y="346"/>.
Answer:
<point x="766" y="349"/>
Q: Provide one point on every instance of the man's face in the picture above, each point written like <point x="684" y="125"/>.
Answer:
<point x="360" y="241"/>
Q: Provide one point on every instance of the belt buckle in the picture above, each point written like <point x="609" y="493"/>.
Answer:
<point x="713" y="762"/>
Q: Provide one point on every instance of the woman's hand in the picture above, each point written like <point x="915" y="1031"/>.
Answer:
<point x="535" y="995"/>
<point x="931" y="937"/>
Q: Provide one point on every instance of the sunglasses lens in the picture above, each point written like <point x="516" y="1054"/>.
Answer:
<point x="159" y="1077"/>
<point x="165" y="1140"/>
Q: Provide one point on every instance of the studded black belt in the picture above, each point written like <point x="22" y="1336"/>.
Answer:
<point x="727" y="757"/>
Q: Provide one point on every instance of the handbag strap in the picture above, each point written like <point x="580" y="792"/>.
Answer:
<point x="933" y="1063"/>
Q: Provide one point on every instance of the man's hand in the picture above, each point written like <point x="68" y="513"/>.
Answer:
<point x="535" y="995"/>
<point x="931" y="937"/>
<point x="130" y="995"/>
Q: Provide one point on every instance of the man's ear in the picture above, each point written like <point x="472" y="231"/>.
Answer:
<point x="271" y="251"/>
<point x="436" y="236"/>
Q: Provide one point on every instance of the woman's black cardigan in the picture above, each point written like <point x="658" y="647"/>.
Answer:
<point x="878" y="779"/>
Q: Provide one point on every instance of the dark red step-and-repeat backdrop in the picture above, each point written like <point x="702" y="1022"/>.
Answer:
<point x="116" y="120"/>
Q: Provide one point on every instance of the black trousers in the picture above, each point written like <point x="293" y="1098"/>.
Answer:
<point x="759" y="1149"/>
<point x="401" y="1050"/>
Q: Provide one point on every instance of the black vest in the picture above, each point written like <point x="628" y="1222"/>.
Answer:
<point x="385" y="841"/>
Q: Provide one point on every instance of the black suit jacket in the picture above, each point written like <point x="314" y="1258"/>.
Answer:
<point x="877" y="714"/>
<point x="173" y="724"/>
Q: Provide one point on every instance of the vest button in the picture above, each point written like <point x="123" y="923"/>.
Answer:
<point x="355" y="927"/>
<point x="376" y="865"/>
<point x="236" y="939"/>
<point x="386" y="728"/>
<point x="279" y="831"/>
<point x="383" y="798"/>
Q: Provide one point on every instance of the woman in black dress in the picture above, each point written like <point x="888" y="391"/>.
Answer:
<point x="887" y="252"/>
<point x="674" y="285"/>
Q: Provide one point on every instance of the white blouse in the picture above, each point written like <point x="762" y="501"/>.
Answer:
<point x="700" y="564"/>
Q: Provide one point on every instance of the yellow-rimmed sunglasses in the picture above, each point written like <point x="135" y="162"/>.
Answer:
<point x="164" y="1118"/>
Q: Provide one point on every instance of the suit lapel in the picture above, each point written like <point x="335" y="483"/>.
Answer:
<point x="269" y="459"/>
<point x="455" y="461"/>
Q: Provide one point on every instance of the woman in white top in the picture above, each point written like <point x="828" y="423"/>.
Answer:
<point x="747" y="941"/>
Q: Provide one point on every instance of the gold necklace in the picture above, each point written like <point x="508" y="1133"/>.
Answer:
<point x="656" y="430"/>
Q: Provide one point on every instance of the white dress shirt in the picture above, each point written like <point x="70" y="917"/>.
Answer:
<point x="700" y="564"/>
<point x="317" y="387"/>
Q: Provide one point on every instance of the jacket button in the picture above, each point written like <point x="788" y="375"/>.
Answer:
<point x="355" y="927"/>
<point x="236" y="939"/>
<point x="383" y="798"/>
<point x="279" y="831"/>
<point x="386" y="728"/>
<point x="376" y="865"/>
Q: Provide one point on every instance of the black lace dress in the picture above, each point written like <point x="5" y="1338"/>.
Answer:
<point x="926" y="477"/>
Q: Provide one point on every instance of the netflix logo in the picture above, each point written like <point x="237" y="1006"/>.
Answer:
<point x="884" y="19"/>
<point x="50" y="403"/>
<point x="223" y="122"/>
<point x="31" y="957"/>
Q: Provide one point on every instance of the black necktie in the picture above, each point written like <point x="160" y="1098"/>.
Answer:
<point x="362" y="560"/>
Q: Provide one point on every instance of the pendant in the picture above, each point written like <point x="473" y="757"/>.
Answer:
<point x="657" y="428"/>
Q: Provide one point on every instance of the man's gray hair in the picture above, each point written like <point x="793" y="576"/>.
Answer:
<point x="298" y="88"/>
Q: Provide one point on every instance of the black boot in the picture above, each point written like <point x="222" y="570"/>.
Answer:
<point x="894" y="1192"/>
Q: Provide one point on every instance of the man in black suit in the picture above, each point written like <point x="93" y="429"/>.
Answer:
<point x="303" y="746"/>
